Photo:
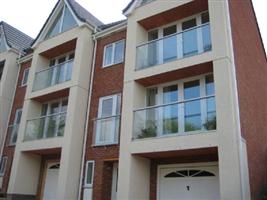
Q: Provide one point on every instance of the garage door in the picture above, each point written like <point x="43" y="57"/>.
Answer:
<point x="196" y="183"/>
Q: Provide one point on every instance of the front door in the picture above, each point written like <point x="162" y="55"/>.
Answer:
<point x="51" y="181"/>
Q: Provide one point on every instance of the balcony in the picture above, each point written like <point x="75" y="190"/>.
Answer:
<point x="54" y="75"/>
<point x="187" y="117"/>
<point x="13" y="134"/>
<point x="106" y="131"/>
<point x="50" y="126"/>
<point x="191" y="42"/>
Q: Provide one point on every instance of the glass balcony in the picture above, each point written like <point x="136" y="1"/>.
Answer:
<point x="13" y="134"/>
<point x="106" y="131"/>
<point x="46" y="127"/>
<point x="188" y="43"/>
<point x="180" y="118"/>
<point x="53" y="75"/>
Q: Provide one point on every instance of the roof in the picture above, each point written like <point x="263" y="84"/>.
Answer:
<point x="15" y="38"/>
<point x="83" y="14"/>
<point x="106" y="26"/>
<point x="128" y="6"/>
<point x="80" y="12"/>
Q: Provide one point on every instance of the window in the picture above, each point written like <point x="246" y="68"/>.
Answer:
<point x="189" y="173"/>
<point x="107" y="122"/>
<point x="89" y="173"/>
<point x="114" y="53"/>
<point x="64" y="21"/>
<point x="2" y="64"/>
<point x="14" y="128"/>
<point x="3" y="162"/>
<point x="25" y="77"/>
<point x="185" y="106"/>
<point x="2" y="44"/>
<point x="63" y="71"/>
<point x="54" y="123"/>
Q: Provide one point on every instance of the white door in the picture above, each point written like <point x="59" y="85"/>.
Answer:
<point x="200" y="183"/>
<point x="51" y="181"/>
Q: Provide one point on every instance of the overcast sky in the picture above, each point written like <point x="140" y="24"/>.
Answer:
<point x="30" y="15"/>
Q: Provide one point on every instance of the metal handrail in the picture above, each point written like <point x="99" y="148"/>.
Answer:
<point x="102" y="118"/>
<point x="187" y="30"/>
<point x="42" y="117"/>
<point x="54" y="66"/>
<point x="173" y="103"/>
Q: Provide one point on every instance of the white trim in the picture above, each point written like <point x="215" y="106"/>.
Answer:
<point x="22" y="84"/>
<point x="90" y="185"/>
<point x="111" y="30"/>
<point x="185" y="165"/>
<point x="113" y="44"/>
<point x="53" y="16"/>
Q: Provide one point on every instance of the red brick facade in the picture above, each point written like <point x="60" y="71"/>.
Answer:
<point x="251" y="72"/>
<point x="17" y="104"/>
<point x="107" y="81"/>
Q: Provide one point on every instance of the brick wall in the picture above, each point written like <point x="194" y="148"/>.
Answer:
<point x="107" y="81"/>
<point x="17" y="103"/>
<point x="251" y="71"/>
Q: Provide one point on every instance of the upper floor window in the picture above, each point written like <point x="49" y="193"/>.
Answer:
<point x="13" y="129"/>
<point x="114" y="53"/>
<point x="2" y="64"/>
<point x="25" y="77"/>
<point x="3" y="162"/>
<point x="2" y="44"/>
<point x="184" y="38"/>
<point x="64" y="21"/>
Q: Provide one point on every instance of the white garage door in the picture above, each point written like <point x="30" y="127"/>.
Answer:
<point x="196" y="183"/>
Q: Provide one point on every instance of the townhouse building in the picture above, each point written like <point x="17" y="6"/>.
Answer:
<point x="167" y="104"/>
<point x="12" y="44"/>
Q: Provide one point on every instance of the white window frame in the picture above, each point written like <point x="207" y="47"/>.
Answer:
<point x="55" y="66"/>
<point x="113" y="54"/>
<point x="23" y="83"/>
<point x="115" y="107"/>
<point x="181" y="107"/>
<point x="178" y="24"/>
<point x="1" y="165"/>
<point x="89" y="185"/>
<point x="58" y="114"/>
<point x="15" y="126"/>
<point x="61" y="19"/>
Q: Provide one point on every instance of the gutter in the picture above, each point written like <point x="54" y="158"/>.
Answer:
<point x="110" y="30"/>
<point x="87" y="118"/>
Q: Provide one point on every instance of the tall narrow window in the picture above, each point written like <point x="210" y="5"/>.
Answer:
<point x="3" y="162"/>
<point x="205" y="19"/>
<point x="169" y="43"/>
<point x="190" y="45"/>
<point x="14" y="128"/>
<point x="2" y="64"/>
<point x="89" y="174"/>
<point x="25" y="77"/>
<point x="192" y="107"/>
<point x="114" y="53"/>
<point x="2" y="44"/>
<point x="106" y="125"/>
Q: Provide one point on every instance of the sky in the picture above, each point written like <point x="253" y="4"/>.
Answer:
<point x="30" y="15"/>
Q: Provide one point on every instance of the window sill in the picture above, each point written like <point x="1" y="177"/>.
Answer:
<point x="111" y="65"/>
<point x="106" y="144"/>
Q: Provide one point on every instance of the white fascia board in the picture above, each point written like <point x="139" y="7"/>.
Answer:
<point x="111" y="30"/>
